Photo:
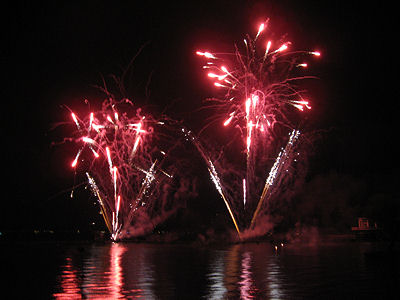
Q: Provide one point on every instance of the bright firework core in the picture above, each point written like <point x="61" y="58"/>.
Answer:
<point x="260" y="99"/>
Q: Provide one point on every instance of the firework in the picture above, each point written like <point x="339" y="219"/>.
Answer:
<point x="126" y="161"/>
<point x="280" y="162"/>
<point x="213" y="174"/>
<point x="260" y="99"/>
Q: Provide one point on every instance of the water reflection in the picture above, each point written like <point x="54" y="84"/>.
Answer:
<point x="69" y="282"/>
<point x="246" y="277"/>
<point x="116" y="271"/>
<point x="246" y="272"/>
<point x="241" y="271"/>
<point x="99" y="275"/>
<point x="274" y="279"/>
<point x="116" y="275"/>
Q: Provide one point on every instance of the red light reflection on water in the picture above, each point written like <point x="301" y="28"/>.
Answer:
<point x="116" y="277"/>
<point x="236" y="275"/>
<point x="95" y="279"/>
<point x="69" y="283"/>
<point x="246" y="284"/>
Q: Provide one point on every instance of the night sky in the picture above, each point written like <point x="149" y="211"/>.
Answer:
<point x="52" y="54"/>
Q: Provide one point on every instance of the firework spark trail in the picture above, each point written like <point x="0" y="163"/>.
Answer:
<point x="213" y="174"/>
<point x="96" y="192"/>
<point x="280" y="161"/>
<point x="244" y="192"/>
<point x="260" y="91"/>
<point x="150" y="176"/>
<point x="127" y="147"/>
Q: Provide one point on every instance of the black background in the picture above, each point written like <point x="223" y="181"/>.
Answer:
<point x="52" y="53"/>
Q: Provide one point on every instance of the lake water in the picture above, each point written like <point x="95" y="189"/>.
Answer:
<point x="46" y="270"/>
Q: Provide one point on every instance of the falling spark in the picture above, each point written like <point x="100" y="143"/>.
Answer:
<point x="282" y="48"/>
<point x="303" y="65"/>
<point x="135" y="146"/>
<point x="88" y="140"/>
<point x="244" y="191"/>
<point x="109" y="158"/>
<point x="228" y="121"/>
<point x="114" y="173"/>
<point x="267" y="49"/>
<point x="96" y="155"/>
<point x="316" y="53"/>
<point x="301" y="104"/>
<point x="219" y="77"/>
<point x="248" y="102"/>
<point x="260" y="29"/>
<point x="118" y="205"/>
<point x="206" y="54"/>
<point x="97" y="128"/>
<point x="110" y="120"/>
<point x="76" y="159"/>
<point x="91" y="121"/>
<point x="75" y="120"/>
<point x="217" y="84"/>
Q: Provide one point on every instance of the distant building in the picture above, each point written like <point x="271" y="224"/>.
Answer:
<point x="364" y="224"/>
<point x="366" y="229"/>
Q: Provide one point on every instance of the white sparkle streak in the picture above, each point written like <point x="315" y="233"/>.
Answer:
<point x="114" y="225"/>
<point x="254" y="99"/>
<point x="219" y="77"/>
<point x="75" y="120"/>
<point x="248" y="102"/>
<point x="115" y="182"/>
<point x="298" y="106"/>
<point x="244" y="191"/>
<point x="282" y="156"/>
<point x="214" y="177"/>
<point x="206" y="54"/>
<point x="228" y="121"/>
<point x="97" y="127"/>
<point x="110" y="120"/>
<point x="282" y="48"/>
<point x="217" y="84"/>
<point x="260" y="29"/>
<point x="88" y="140"/>
<point x="96" y="155"/>
<point x="91" y="142"/>
<point x="135" y="146"/>
<point x="249" y="133"/>
<point x="267" y="49"/>
<point x="74" y="163"/>
<point x="109" y="158"/>
<point x="315" y="53"/>
<point x="91" y="121"/>
<point x="118" y="205"/>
